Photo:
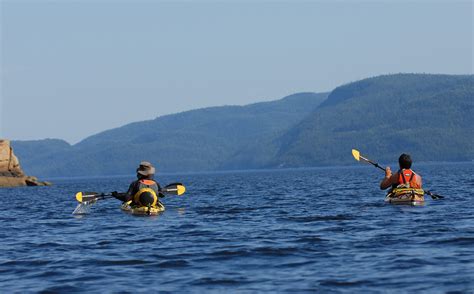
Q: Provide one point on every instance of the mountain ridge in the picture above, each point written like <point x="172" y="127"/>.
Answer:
<point x="368" y="114"/>
<point x="426" y="115"/>
<point x="192" y="140"/>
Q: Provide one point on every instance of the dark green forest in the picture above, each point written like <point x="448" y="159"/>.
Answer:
<point x="428" y="116"/>
<point x="197" y="140"/>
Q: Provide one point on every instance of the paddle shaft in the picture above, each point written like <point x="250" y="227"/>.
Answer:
<point x="169" y="189"/>
<point x="371" y="162"/>
<point x="95" y="197"/>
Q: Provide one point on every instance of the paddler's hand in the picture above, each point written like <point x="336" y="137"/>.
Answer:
<point x="115" y="194"/>
<point x="388" y="172"/>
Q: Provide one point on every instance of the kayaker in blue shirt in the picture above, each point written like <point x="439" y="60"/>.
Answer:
<point x="145" y="191"/>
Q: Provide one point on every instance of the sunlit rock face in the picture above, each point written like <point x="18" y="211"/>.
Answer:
<point x="11" y="174"/>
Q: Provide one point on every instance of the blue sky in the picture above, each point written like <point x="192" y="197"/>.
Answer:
<point x="70" y="69"/>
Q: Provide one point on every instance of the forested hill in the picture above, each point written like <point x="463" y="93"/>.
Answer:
<point x="428" y="116"/>
<point x="197" y="140"/>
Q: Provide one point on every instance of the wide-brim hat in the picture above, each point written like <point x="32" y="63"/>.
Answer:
<point x="145" y="168"/>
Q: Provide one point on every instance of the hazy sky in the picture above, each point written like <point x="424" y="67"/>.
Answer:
<point x="70" y="69"/>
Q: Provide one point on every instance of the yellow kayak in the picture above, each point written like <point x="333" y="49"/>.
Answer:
<point x="142" y="210"/>
<point x="408" y="196"/>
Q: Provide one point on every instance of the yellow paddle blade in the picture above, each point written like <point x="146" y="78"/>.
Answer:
<point x="181" y="189"/>
<point x="79" y="197"/>
<point x="356" y="154"/>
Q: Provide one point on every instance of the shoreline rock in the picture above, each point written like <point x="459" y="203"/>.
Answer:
<point x="11" y="174"/>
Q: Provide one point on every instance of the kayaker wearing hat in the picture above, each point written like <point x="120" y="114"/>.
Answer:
<point x="145" y="190"/>
<point x="405" y="177"/>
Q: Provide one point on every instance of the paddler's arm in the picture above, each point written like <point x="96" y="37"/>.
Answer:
<point x="418" y="181"/>
<point x="119" y="196"/>
<point x="389" y="179"/>
<point x="124" y="197"/>
<point x="160" y="195"/>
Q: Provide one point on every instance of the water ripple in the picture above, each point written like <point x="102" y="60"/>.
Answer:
<point x="311" y="230"/>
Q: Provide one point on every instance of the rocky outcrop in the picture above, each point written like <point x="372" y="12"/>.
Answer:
<point x="11" y="174"/>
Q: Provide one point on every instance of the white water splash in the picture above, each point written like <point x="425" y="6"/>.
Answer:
<point x="83" y="207"/>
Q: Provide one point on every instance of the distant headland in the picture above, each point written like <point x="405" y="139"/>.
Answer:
<point x="11" y="174"/>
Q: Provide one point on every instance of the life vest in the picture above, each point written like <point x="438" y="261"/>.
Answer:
<point x="408" y="179"/>
<point x="146" y="194"/>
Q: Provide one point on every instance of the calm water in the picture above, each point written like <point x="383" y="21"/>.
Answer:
<point x="325" y="230"/>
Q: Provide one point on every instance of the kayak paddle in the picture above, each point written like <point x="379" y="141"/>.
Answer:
<point x="174" y="189"/>
<point x="171" y="189"/>
<point x="91" y="196"/>
<point x="358" y="157"/>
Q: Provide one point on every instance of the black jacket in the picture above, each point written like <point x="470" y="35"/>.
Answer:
<point x="135" y="186"/>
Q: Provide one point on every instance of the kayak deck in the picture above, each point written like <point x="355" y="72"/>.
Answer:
<point x="410" y="200"/>
<point x="142" y="210"/>
<point x="408" y="196"/>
